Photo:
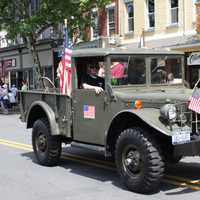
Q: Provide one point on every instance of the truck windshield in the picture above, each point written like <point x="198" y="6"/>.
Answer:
<point x="136" y="70"/>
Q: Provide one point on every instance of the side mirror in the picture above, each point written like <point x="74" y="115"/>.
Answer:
<point x="110" y="92"/>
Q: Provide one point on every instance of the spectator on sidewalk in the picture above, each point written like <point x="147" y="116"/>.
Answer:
<point x="14" y="90"/>
<point x="1" y="83"/>
<point x="4" y="98"/>
<point x="24" y="85"/>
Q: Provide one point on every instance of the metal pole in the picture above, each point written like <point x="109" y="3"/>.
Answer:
<point x="196" y="118"/>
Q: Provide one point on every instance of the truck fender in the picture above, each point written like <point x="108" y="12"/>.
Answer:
<point x="126" y="118"/>
<point x="40" y="109"/>
<point x="149" y="116"/>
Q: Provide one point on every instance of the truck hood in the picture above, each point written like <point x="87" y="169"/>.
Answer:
<point x="155" y="95"/>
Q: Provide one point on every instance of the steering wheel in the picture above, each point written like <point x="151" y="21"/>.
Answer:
<point x="47" y="84"/>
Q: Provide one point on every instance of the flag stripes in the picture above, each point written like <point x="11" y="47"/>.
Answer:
<point x="195" y="101"/>
<point x="64" y="68"/>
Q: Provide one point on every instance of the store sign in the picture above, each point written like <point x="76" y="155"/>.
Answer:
<point x="194" y="59"/>
<point x="5" y="64"/>
<point x="9" y="63"/>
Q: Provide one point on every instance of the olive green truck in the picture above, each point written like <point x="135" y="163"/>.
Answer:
<point x="141" y="118"/>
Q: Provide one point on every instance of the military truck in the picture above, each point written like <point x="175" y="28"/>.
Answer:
<point x="141" y="119"/>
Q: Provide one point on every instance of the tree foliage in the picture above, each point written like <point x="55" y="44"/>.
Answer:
<point x="21" y="19"/>
<point x="17" y="16"/>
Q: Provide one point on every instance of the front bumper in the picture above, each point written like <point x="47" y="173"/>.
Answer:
<point x="188" y="149"/>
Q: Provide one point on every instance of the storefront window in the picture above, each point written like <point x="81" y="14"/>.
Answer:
<point x="13" y="78"/>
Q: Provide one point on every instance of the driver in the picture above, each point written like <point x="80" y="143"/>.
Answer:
<point x="92" y="81"/>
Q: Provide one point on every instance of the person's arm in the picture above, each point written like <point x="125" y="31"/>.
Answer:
<point x="87" y="84"/>
<point x="97" y="89"/>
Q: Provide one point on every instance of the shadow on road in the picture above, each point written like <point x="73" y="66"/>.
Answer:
<point x="111" y="177"/>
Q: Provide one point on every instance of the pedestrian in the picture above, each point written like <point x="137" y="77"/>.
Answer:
<point x="14" y="90"/>
<point x="24" y="85"/>
<point x="1" y="96"/>
<point x="1" y="83"/>
<point x="4" y="98"/>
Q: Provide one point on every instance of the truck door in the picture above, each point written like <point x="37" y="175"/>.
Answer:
<point x="89" y="116"/>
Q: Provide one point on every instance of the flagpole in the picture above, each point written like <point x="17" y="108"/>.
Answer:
<point x="73" y="68"/>
<point x="196" y="83"/>
<point x="142" y="40"/>
<point x="65" y="22"/>
<point x="66" y="39"/>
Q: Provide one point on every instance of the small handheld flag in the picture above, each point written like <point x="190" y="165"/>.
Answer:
<point x="195" y="101"/>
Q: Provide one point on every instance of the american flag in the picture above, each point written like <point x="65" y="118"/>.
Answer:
<point x="195" y="101"/>
<point x="64" y="67"/>
<point x="89" y="112"/>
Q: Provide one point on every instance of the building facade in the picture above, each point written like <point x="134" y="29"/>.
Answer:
<point x="160" y="24"/>
<point x="173" y="24"/>
<point x="166" y="23"/>
<point x="16" y="63"/>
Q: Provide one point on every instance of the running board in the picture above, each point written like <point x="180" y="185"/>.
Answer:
<point x="88" y="146"/>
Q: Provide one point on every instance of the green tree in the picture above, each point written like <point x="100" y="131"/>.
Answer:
<point x="22" y="18"/>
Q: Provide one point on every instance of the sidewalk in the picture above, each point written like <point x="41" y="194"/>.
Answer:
<point x="13" y="110"/>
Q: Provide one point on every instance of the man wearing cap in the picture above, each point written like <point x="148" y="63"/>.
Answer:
<point x="92" y="81"/>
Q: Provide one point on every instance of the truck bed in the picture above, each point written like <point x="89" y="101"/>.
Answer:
<point x="54" y="102"/>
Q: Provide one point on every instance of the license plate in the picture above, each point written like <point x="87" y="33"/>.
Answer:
<point x="181" y="138"/>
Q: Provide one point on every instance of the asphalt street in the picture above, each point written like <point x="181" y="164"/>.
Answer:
<point x="80" y="174"/>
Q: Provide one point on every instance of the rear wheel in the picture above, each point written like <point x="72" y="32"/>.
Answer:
<point x="139" y="161"/>
<point x="47" y="148"/>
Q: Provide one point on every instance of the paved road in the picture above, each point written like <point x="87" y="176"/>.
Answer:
<point x="77" y="177"/>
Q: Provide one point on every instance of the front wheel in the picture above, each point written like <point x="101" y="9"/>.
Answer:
<point x="139" y="161"/>
<point x="47" y="148"/>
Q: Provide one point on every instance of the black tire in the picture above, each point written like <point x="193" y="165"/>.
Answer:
<point x="47" y="148"/>
<point x="139" y="161"/>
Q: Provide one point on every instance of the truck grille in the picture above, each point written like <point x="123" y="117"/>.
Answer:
<point x="188" y="118"/>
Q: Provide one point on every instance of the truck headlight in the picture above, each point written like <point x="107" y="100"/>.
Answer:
<point x="168" y="112"/>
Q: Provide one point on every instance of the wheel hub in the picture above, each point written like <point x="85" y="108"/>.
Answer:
<point x="132" y="161"/>
<point x="42" y="143"/>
